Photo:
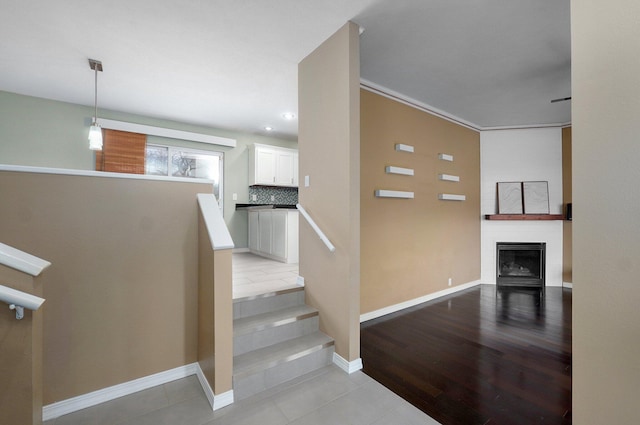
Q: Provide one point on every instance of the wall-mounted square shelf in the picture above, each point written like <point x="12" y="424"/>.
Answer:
<point x="451" y="197"/>
<point x="404" y="148"/>
<point x="399" y="170"/>
<point x="382" y="193"/>
<point x="448" y="178"/>
<point x="524" y="217"/>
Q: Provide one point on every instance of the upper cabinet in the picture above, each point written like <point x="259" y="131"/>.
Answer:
<point x="273" y="166"/>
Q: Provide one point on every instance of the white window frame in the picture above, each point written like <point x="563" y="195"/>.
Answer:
<point x="171" y="150"/>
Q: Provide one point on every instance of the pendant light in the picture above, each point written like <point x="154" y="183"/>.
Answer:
<point x="95" y="132"/>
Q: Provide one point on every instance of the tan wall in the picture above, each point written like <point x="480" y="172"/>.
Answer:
<point x="606" y="199"/>
<point x="329" y="144"/>
<point x="20" y="354"/>
<point x="411" y="247"/>
<point x="122" y="291"/>
<point x="567" y="196"/>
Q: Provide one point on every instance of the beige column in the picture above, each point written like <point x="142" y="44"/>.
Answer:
<point x="329" y="149"/>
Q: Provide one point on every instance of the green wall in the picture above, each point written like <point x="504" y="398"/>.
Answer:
<point x="47" y="133"/>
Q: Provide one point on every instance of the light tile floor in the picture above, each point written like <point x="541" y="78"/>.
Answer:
<point x="255" y="275"/>
<point x="327" y="396"/>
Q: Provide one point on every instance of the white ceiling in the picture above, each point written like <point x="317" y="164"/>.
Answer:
<point x="233" y="64"/>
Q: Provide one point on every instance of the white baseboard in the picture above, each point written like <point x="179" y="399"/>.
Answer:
<point x="300" y="281"/>
<point x="346" y="365"/>
<point x="216" y="401"/>
<point x="411" y="303"/>
<point x="65" y="407"/>
<point x="74" y="404"/>
<point x="239" y="250"/>
<point x="567" y="285"/>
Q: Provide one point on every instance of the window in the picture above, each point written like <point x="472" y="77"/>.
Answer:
<point x="188" y="163"/>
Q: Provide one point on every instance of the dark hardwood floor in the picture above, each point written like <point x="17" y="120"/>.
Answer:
<point x="481" y="356"/>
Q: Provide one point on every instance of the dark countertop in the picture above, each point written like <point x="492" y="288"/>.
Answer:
<point x="265" y="206"/>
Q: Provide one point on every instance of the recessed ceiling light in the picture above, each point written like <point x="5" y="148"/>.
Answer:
<point x="288" y="115"/>
<point x="267" y="128"/>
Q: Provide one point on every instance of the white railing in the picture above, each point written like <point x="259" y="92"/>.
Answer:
<point x="315" y="227"/>
<point x="218" y="232"/>
<point x="26" y="263"/>
<point x="20" y="260"/>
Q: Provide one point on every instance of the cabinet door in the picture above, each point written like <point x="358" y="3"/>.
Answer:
<point x="284" y="168"/>
<point x="295" y="169"/>
<point x="265" y="166"/>
<point x="253" y="231"/>
<point x="279" y="234"/>
<point x="264" y="233"/>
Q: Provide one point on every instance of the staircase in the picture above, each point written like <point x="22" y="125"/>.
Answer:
<point x="275" y="339"/>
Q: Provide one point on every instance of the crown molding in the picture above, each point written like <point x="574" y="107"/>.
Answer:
<point x="393" y="95"/>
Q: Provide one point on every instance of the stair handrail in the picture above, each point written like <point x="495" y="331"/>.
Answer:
<point x="315" y="227"/>
<point x="25" y="263"/>
<point x="21" y="261"/>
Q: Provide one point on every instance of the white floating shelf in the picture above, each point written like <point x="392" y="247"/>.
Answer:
<point x="380" y="193"/>
<point x="404" y="148"/>
<point x="449" y="178"/>
<point x="451" y="197"/>
<point x="390" y="169"/>
<point x="445" y="157"/>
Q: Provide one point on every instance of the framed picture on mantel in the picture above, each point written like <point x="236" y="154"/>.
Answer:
<point x="536" y="197"/>
<point x="510" y="198"/>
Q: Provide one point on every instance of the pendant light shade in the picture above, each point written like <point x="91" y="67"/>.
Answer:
<point x="95" y="137"/>
<point x="95" y="132"/>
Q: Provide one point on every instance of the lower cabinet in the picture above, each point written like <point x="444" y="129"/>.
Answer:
<point x="274" y="234"/>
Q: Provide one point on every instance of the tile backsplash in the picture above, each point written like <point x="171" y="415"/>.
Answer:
<point x="281" y="195"/>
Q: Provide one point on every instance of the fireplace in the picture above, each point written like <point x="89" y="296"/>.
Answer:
<point x="520" y="264"/>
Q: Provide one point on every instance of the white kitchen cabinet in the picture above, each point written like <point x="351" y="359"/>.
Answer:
<point x="273" y="233"/>
<point x="265" y="231"/>
<point x="253" y="231"/>
<point x="273" y="166"/>
<point x="295" y="169"/>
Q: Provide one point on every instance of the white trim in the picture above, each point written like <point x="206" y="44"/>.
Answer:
<point x="445" y="157"/>
<point x="89" y="173"/>
<point x="240" y="250"/>
<point x="347" y="366"/>
<point x="399" y="97"/>
<point x="300" y="281"/>
<point x="526" y="127"/>
<point x="74" y="404"/>
<point x="219" y="235"/>
<point x="383" y="193"/>
<point x="390" y="169"/>
<point x="451" y="197"/>
<point x="22" y="261"/>
<point x="216" y="401"/>
<point x="567" y="285"/>
<point x="411" y="303"/>
<point x="166" y="132"/>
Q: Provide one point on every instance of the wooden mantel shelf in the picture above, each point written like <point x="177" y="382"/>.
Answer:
<point x="524" y="217"/>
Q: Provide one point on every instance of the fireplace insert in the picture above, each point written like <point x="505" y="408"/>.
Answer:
<point x="520" y="264"/>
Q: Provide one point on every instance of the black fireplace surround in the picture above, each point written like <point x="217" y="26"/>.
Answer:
<point x="520" y="264"/>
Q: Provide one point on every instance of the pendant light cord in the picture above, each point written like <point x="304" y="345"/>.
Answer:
<point x="95" y="103"/>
